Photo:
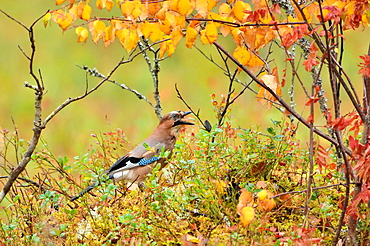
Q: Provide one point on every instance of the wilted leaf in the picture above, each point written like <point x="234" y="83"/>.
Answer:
<point x="264" y="95"/>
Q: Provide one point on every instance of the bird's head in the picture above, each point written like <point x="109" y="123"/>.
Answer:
<point x="174" y="120"/>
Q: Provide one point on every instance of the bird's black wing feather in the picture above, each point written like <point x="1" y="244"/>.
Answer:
<point x="122" y="162"/>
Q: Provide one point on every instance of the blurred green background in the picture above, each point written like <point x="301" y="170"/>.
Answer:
<point x="110" y="107"/>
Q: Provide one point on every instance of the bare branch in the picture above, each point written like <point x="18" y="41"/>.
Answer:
<point x="280" y="100"/>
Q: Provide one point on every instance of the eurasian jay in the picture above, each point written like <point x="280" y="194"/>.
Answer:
<point x="135" y="165"/>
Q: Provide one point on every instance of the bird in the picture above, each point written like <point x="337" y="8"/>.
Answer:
<point x="135" y="165"/>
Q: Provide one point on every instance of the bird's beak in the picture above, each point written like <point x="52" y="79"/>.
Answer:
<point x="182" y="122"/>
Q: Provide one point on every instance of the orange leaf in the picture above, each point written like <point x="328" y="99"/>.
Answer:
<point x="264" y="202"/>
<point x="202" y="7"/>
<point x="244" y="200"/>
<point x="176" y="36"/>
<point x="57" y="2"/>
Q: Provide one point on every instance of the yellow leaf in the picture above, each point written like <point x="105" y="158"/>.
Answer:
<point x="97" y="30"/>
<point x="247" y="215"/>
<point x="109" y="5"/>
<point x="166" y="46"/>
<point x="242" y="55"/>
<point x="127" y="8"/>
<point x="224" y="10"/>
<point x="203" y="37"/>
<point x="255" y="63"/>
<point x="151" y="30"/>
<point x="184" y="7"/>
<point x="239" y="10"/>
<point x="137" y="10"/>
<point x="131" y="40"/>
<point x="86" y="13"/>
<point x="46" y="19"/>
<point x="165" y="26"/>
<point x="191" y="36"/>
<point x="156" y="33"/>
<point x="109" y="36"/>
<point x="214" y="16"/>
<point x="82" y="33"/>
<point x="262" y="195"/>
<point x="146" y="29"/>
<point x="121" y="34"/>
<point x="265" y="203"/>
<point x="173" y="5"/>
<point x="176" y="36"/>
<point x="211" y="32"/>
<point x="100" y="4"/>
<point x="63" y="19"/>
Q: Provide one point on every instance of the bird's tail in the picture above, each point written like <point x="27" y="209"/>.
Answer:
<point x="89" y="188"/>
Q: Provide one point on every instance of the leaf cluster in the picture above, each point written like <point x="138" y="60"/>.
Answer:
<point x="196" y="199"/>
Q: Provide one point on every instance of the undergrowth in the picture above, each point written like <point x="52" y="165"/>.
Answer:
<point x="193" y="201"/>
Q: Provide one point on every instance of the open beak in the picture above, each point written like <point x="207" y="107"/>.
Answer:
<point x="182" y="122"/>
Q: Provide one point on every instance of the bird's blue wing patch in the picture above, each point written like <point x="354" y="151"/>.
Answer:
<point x="144" y="162"/>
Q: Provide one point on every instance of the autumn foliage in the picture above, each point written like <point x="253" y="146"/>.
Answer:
<point x="226" y="184"/>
